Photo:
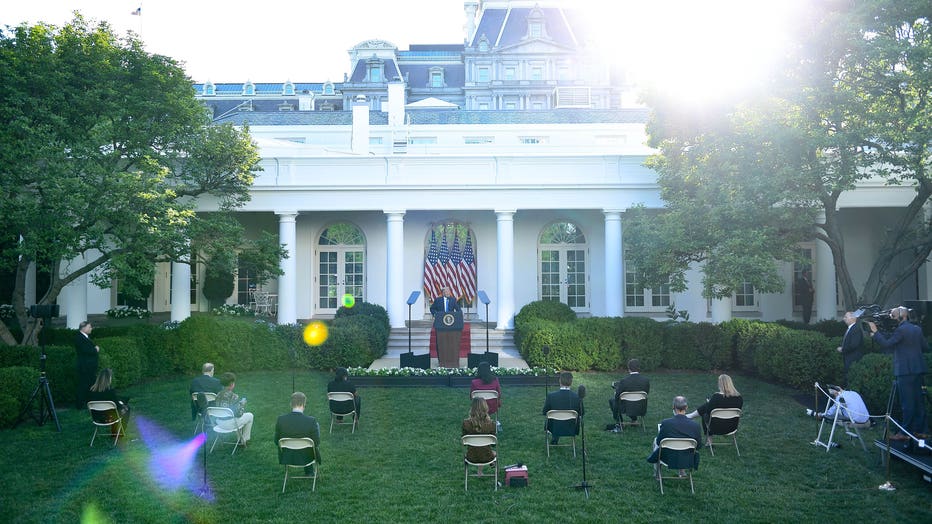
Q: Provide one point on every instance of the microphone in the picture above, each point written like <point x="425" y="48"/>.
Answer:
<point x="581" y="391"/>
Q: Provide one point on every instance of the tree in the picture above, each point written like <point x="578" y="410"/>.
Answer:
<point x="104" y="158"/>
<point x="745" y="182"/>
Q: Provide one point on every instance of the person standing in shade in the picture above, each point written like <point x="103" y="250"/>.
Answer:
<point x="298" y="425"/>
<point x="805" y="293"/>
<point x="852" y="345"/>
<point x="87" y="361"/>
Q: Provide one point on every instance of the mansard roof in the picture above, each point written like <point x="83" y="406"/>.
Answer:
<point x="508" y="27"/>
<point x="442" y="117"/>
<point x="418" y="76"/>
<point x="359" y="72"/>
<point x="265" y="88"/>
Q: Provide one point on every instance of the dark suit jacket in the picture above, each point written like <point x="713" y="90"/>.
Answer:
<point x="87" y="353"/>
<point x="336" y="386"/>
<point x="678" y="426"/>
<point x="563" y="399"/>
<point x="437" y="306"/>
<point x="203" y="383"/>
<point x="852" y="346"/>
<point x="297" y="425"/>
<point x="632" y="382"/>
<point x="907" y="344"/>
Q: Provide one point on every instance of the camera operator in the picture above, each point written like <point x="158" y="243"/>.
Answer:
<point x="907" y="344"/>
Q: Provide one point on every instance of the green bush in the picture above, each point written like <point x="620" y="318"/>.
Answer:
<point x="746" y="337"/>
<point x="565" y="341"/>
<point x="19" y="356"/>
<point x="123" y="356"/>
<point x="798" y="359"/>
<point x="16" y="385"/>
<point x="872" y="378"/>
<point x="601" y="337"/>
<point x="829" y="328"/>
<point x="688" y="345"/>
<point x="231" y="343"/>
<point x="152" y="342"/>
<point x="540" y="310"/>
<point x="347" y="345"/>
<point x="61" y="370"/>
<point x="364" y="309"/>
<point x="641" y="338"/>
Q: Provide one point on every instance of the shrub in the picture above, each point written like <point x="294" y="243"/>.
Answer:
<point x="872" y="378"/>
<point x="565" y="343"/>
<point x="231" y="344"/>
<point x="746" y="337"/>
<point x="61" y="370"/>
<point x="16" y="385"/>
<point x="19" y="356"/>
<point x="364" y="309"/>
<point x="347" y="345"/>
<point x="798" y="359"/>
<point x="128" y="312"/>
<point x="688" y="345"/>
<point x="641" y="338"/>
<point x="375" y="320"/>
<point x="829" y="328"/>
<point x="122" y="354"/>
<point x="541" y="310"/>
<point x="600" y="337"/>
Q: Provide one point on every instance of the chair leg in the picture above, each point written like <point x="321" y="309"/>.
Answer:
<point x="574" y="447"/>
<point x="735" y="437"/>
<point x="216" y="438"/>
<point x="496" y="474"/>
<point x="316" y="474"/>
<point x="94" y="436"/>
<point x="708" y="440"/>
<point x="466" y="469"/>
<point x="691" y="488"/>
<point x="331" y="422"/>
<point x="286" y="479"/>
<point x="547" y="438"/>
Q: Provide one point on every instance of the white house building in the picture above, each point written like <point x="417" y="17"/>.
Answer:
<point x="518" y="141"/>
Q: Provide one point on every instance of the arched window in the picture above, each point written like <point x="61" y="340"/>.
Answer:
<point x="209" y="89"/>
<point x="249" y="89"/>
<point x="341" y="266"/>
<point x="288" y="88"/>
<point x="328" y="88"/>
<point x="562" y="264"/>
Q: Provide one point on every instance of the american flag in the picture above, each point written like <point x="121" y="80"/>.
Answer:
<point x="453" y="268"/>
<point x="467" y="271"/>
<point x="431" y="279"/>
<point x="440" y="270"/>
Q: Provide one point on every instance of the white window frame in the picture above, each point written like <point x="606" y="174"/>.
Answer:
<point x="646" y="294"/>
<point x="755" y="296"/>
<point x="483" y="74"/>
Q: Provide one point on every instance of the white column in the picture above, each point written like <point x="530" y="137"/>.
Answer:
<point x="181" y="291"/>
<point x="76" y="294"/>
<point x="506" y="268"/>
<point x="614" y="266"/>
<point x="394" y="268"/>
<point x="721" y="310"/>
<point x="826" y="306"/>
<point x="287" y="281"/>
<point x="29" y="292"/>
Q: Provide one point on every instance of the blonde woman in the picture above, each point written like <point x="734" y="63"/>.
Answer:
<point x="726" y="397"/>
<point x="479" y="423"/>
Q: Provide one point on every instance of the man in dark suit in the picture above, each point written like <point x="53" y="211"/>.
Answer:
<point x="563" y="398"/>
<point x="677" y="426"/>
<point x="206" y="383"/>
<point x="298" y="425"/>
<point x="634" y="381"/>
<point x="87" y="360"/>
<point x="909" y="367"/>
<point x="852" y="346"/>
<point x="445" y="303"/>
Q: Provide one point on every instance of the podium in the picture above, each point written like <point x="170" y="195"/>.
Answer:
<point x="449" y="328"/>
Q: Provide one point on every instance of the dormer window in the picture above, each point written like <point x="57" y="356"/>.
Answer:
<point x="535" y="24"/>
<point x="483" y="44"/>
<point x="328" y="88"/>
<point x="436" y="77"/>
<point x="209" y="89"/>
<point x="249" y="89"/>
<point x="374" y="70"/>
<point x="534" y="29"/>
<point x="288" y="89"/>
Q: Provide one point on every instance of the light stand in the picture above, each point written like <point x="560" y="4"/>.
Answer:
<point x="484" y="298"/>
<point x="546" y="351"/>
<point x="42" y="313"/>
<point x="411" y="300"/>
<point x="584" y="485"/>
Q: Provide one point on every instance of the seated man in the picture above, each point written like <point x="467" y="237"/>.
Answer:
<point x="341" y="383"/>
<point x="853" y="408"/>
<point x="563" y="398"/>
<point x="634" y="381"/>
<point x="298" y="425"/>
<point x="206" y="383"/>
<point x="677" y="426"/>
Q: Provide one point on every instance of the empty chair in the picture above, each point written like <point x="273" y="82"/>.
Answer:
<point x="635" y="405"/>
<point x="104" y="414"/>
<point x="342" y="398"/>
<point x="479" y="441"/>
<point x="300" y="444"/>
<point x="676" y="454"/>
<point x="263" y="303"/>
<point x="224" y="423"/>
<point x="724" y="422"/>
<point x="202" y="405"/>
<point x="561" y="415"/>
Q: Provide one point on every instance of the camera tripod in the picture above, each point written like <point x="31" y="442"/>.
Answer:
<point x="43" y="394"/>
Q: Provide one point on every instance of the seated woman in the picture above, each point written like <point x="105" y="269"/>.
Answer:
<point x="228" y="399"/>
<point x="102" y="389"/>
<point x="487" y="381"/>
<point x="726" y="397"/>
<point x="479" y="423"/>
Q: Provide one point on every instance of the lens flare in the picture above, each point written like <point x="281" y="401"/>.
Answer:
<point x="349" y="301"/>
<point x="315" y="333"/>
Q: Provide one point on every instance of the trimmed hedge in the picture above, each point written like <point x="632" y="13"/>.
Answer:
<point x="641" y="338"/>
<point x="231" y="343"/>
<point x="872" y="378"/>
<point x="746" y="337"/>
<point x="122" y="354"/>
<point x="16" y="385"/>
<point x="540" y="310"/>
<point x="700" y="345"/>
<point x="798" y="359"/>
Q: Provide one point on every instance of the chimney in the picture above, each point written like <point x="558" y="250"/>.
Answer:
<point x="359" y="143"/>
<point x="470" y="7"/>
<point x="396" y="103"/>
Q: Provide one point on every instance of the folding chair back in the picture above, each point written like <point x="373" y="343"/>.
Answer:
<point x="224" y="423"/>
<point x="202" y="404"/>
<point x="350" y="399"/>
<point x="681" y="455"/>
<point x="104" y="414"/>
<point x="299" y="444"/>
<point x="560" y="415"/>
<point x="635" y="403"/>
<point x="724" y="422"/>
<point x="479" y="441"/>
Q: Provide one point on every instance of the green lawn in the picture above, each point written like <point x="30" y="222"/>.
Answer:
<point x="404" y="464"/>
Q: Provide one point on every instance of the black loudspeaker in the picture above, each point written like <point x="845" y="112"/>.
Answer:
<point x="44" y="311"/>
<point x="410" y="360"/>
<point x="473" y="359"/>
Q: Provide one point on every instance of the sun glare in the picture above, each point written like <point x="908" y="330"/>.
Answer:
<point x="696" y="51"/>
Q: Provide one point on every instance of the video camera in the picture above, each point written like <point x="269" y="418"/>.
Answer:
<point x="883" y="318"/>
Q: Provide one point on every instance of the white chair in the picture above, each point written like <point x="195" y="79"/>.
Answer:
<point x="224" y="423"/>
<point x="682" y="458"/>
<point x="724" y="422"/>
<point x="632" y="396"/>
<point x="342" y="396"/>
<point x="299" y="444"/>
<point x="104" y="414"/>
<point x="560" y="415"/>
<point x="263" y="303"/>
<point x="487" y="394"/>
<point x="199" y="421"/>
<point x="479" y="441"/>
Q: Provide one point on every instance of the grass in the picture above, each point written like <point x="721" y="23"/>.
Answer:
<point x="404" y="464"/>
